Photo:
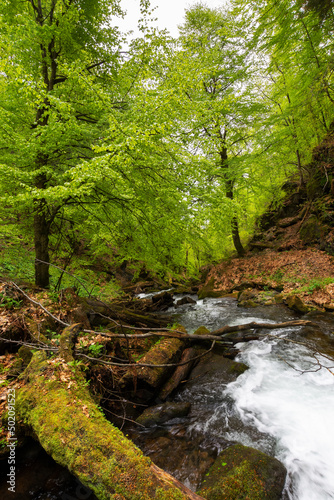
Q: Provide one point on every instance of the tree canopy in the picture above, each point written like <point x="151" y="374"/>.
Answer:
<point x="167" y="150"/>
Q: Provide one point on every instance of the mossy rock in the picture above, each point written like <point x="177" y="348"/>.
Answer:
<point x="254" y="298"/>
<point x="243" y="473"/>
<point x="202" y="330"/>
<point x="208" y="290"/>
<point x="238" y="368"/>
<point x="295" y="303"/>
<point x="311" y="230"/>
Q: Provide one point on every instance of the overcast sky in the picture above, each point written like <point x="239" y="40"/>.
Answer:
<point x="170" y="13"/>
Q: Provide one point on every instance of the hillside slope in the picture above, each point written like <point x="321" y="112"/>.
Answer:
<point x="292" y="249"/>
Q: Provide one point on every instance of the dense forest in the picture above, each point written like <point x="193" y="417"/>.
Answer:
<point x="201" y="164"/>
<point x="160" y="151"/>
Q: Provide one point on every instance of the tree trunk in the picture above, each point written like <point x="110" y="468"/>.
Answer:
<point x="41" y="236"/>
<point x="236" y="237"/>
<point x="57" y="406"/>
<point x="230" y="195"/>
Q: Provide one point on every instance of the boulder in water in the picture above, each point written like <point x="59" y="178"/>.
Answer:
<point x="241" y="472"/>
<point x="162" y="413"/>
<point x="185" y="300"/>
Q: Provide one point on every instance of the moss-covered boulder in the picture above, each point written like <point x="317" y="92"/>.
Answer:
<point x="243" y="473"/>
<point x="202" y="330"/>
<point x="295" y="303"/>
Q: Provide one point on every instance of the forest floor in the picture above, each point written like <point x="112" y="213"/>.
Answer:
<point x="308" y="272"/>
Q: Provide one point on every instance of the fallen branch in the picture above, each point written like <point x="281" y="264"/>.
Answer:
<point x="147" y="365"/>
<point x="221" y="332"/>
<point x="165" y="332"/>
<point x="36" y="303"/>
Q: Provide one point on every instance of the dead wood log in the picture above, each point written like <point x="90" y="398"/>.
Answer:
<point x="222" y="332"/>
<point x="179" y="374"/>
<point x="159" y="358"/>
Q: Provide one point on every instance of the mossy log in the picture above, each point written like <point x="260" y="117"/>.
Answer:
<point x="56" y="406"/>
<point x="165" y="352"/>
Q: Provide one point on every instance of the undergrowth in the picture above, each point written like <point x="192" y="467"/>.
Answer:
<point x="17" y="264"/>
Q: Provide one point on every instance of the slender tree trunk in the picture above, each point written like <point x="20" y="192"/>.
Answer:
<point x="229" y="194"/>
<point x="236" y="237"/>
<point x="41" y="236"/>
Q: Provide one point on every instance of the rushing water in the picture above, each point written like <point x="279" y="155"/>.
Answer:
<point x="283" y="405"/>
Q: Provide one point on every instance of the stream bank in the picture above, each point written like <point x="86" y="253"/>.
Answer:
<point x="207" y="429"/>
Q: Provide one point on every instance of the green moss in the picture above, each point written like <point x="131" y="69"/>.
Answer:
<point x="311" y="230"/>
<point x="169" y="495"/>
<point x="238" y="368"/>
<point x="70" y="427"/>
<point x="243" y="473"/>
<point x="242" y="483"/>
<point x="202" y="330"/>
<point x="25" y="354"/>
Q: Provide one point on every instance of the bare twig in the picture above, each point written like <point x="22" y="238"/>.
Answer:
<point x="64" y="271"/>
<point x="39" y="305"/>
<point x="148" y="365"/>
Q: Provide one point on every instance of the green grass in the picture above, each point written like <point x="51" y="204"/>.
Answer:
<point x="315" y="284"/>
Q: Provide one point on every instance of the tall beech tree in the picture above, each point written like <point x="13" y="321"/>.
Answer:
<point x="55" y="58"/>
<point x="80" y="146"/>
<point x="219" y="102"/>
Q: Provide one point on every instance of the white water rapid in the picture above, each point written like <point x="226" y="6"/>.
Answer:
<point x="284" y="401"/>
<point x="295" y="408"/>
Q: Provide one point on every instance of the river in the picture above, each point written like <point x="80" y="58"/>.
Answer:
<point x="282" y="405"/>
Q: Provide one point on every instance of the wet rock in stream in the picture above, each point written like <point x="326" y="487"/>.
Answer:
<point x="160" y="414"/>
<point x="174" y="451"/>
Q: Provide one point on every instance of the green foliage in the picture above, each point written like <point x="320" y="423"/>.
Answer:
<point x="76" y="364"/>
<point x="315" y="284"/>
<point x="95" y="350"/>
<point x="9" y="302"/>
<point x="154" y="156"/>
